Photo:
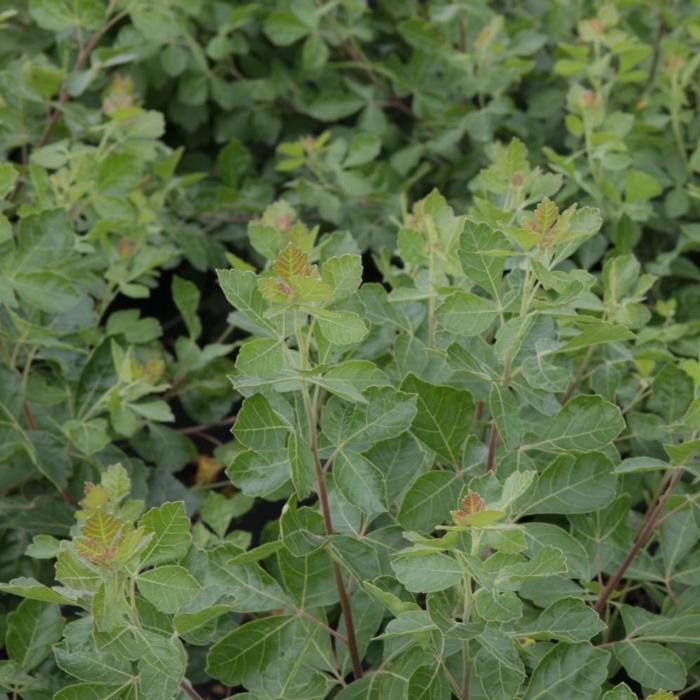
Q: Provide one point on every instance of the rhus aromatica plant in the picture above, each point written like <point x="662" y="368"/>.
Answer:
<point x="432" y="428"/>
<point x="486" y="466"/>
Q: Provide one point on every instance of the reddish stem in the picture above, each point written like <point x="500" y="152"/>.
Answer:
<point x="493" y="443"/>
<point x="345" y="606"/>
<point x="649" y="524"/>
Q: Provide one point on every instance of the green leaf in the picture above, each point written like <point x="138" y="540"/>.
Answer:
<point x="8" y="176"/>
<point x="169" y="527"/>
<point x="498" y="670"/>
<point x="597" y="334"/>
<point x="88" y="436"/>
<point x="584" y="424"/>
<point x="93" y="667"/>
<point x="283" y="28"/>
<point x="261" y="357"/>
<point x="428" y="683"/>
<point x="332" y="105"/>
<point x="567" y="620"/>
<point x="672" y="392"/>
<point x="387" y="414"/>
<point x="504" y="409"/>
<point x="422" y="571"/>
<point x="540" y="535"/>
<point x="430" y="499"/>
<point x="260" y="473"/>
<point x="363" y="148"/>
<point x="241" y="290"/>
<point x="252" y="588"/>
<point x="340" y="327"/>
<point x="639" y="186"/>
<point x="481" y="253"/>
<point x="443" y="419"/>
<point x="651" y="665"/>
<point x="573" y="484"/>
<point x="33" y="590"/>
<point x="360" y="482"/>
<point x="547" y="562"/>
<point x="343" y="273"/>
<point x="259" y="427"/>
<point x="233" y="162"/>
<point x="162" y="665"/>
<point x="32" y="629"/>
<point x="301" y="465"/>
<point x="48" y="291"/>
<point x="465" y="314"/>
<point x="241" y="655"/>
<point x="186" y="297"/>
<point x="574" y="670"/>
<point x="168" y="587"/>
<point x="154" y="410"/>
<point x="491" y="606"/>
<point x="621" y="692"/>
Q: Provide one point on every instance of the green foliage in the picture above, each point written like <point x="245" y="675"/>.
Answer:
<point x="455" y="336"/>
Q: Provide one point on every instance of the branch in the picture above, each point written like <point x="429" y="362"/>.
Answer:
<point x="345" y="606"/>
<point x="649" y="524"/>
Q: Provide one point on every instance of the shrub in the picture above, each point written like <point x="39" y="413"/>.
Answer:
<point x="464" y="444"/>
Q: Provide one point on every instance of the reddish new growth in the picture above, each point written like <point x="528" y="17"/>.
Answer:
<point x="470" y="504"/>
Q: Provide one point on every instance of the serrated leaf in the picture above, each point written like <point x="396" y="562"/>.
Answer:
<point x="567" y="620"/>
<point x="32" y="629"/>
<point x="360" y="482"/>
<point x="169" y="527"/>
<point x="443" y="419"/>
<point x="576" y="670"/>
<point x="33" y="590"/>
<point x="584" y="424"/>
<point x="168" y="587"/>
<point x="465" y="314"/>
<point x="259" y="427"/>
<point x="430" y="499"/>
<point x="425" y="571"/>
<point x="650" y="664"/>
<point x="301" y="465"/>
<point x="247" y="651"/>
<point x="573" y="484"/>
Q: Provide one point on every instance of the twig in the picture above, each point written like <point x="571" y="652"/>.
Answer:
<point x="28" y="416"/>
<point x="493" y="443"/>
<point x="204" y="427"/>
<point x="322" y="625"/>
<point x="649" y="524"/>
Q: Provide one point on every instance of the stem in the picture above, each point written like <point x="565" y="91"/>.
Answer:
<point x="649" y="524"/>
<point x="189" y="690"/>
<point x="322" y="493"/>
<point x="432" y="240"/>
<point x="322" y="625"/>
<point x="493" y="443"/>
<point x="345" y="606"/>
<point x="676" y="120"/>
